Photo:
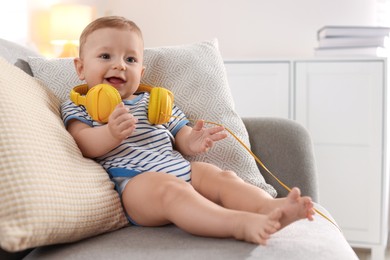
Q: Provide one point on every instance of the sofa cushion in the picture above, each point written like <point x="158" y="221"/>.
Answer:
<point x="49" y="192"/>
<point x="16" y="54"/>
<point x="318" y="240"/>
<point x="195" y="73"/>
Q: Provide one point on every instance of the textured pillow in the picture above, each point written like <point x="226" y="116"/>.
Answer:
<point x="58" y="74"/>
<point x="49" y="192"/>
<point x="196" y="75"/>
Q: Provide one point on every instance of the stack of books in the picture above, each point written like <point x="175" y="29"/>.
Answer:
<point x="353" y="41"/>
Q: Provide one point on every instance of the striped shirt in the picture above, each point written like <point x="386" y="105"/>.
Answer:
<point x="148" y="149"/>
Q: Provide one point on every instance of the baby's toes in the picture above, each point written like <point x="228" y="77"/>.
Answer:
<point x="274" y="221"/>
<point x="294" y="194"/>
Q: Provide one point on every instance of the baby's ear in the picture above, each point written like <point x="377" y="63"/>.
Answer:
<point x="143" y="71"/>
<point x="78" y="63"/>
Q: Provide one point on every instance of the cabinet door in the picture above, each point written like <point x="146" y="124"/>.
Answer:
<point x="260" y="88"/>
<point x="341" y="104"/>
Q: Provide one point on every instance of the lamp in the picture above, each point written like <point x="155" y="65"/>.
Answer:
<point x="66" y="24"/>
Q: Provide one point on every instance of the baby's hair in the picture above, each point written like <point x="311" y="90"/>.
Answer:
<point x="118" y="22"/>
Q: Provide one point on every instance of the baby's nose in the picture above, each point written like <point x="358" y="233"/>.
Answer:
<point x="119" y="65"/>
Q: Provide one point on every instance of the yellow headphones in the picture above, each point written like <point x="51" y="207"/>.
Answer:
<point x="102" y="99"/>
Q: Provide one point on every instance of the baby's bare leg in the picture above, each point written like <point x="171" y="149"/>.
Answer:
<point x="227" y="189"/>
<point x="154" y="199"/>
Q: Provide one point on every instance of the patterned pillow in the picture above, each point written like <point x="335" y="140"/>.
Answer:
<point x="196" y="75"/>
<point x="49" y="192"/>
<point x="58" y="74"/>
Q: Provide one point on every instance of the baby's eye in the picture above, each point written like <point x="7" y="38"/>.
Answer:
<point x="130" y="60"/>
<point x="105" y="56"/>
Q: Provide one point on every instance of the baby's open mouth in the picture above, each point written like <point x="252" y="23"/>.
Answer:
<point x="115" y="80"/>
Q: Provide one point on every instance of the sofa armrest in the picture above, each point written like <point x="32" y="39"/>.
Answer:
<point x="285" y="148"/>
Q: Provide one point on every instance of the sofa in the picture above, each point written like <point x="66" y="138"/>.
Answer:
<point x="46" y="213"/>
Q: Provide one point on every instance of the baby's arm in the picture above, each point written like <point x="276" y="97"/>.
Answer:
<point x="97" y="141"/>
<point x="192" y="141"/>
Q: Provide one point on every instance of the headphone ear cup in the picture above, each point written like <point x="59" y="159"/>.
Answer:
<point x="160" y="106"/>
<point x="101" y="101"/>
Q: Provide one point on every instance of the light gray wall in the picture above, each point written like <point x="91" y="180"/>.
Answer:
<point x="246" y="29"/>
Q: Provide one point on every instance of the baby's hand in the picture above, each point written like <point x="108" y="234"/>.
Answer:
<point x="202" y="139"/>
<point x="121" y="123"/>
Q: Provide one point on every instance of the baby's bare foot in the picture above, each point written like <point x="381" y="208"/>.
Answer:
<point x="296" y="207"/>
<point x="257" y="228"/>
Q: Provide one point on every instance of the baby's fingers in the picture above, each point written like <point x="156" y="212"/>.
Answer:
<point x="198" y="125"/>
<point x="119" y="110"/>
<point x="216" y="129"/>
<point x="218" y="136"/>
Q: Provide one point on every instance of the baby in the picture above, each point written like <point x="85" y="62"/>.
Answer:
<point x="156" y="184"/>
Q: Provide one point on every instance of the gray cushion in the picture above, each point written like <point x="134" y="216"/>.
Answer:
<point x="318" y="240"/>
<point x="17" y="55"/>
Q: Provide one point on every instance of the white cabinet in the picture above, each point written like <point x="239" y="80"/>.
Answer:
<point x="260" y="88"/>
<point x="343" y="104"/>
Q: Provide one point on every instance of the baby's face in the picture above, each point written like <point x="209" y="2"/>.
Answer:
<point x="112" y="56"/>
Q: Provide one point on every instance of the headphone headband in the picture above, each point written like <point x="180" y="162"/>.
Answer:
<point x="76" y="92"/>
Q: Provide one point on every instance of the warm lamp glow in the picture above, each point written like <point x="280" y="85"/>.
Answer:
<point x="66" y="24"/>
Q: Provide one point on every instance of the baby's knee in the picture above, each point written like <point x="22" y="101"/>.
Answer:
<point x="173" y="188"/>
<point x="230" y="175"/>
